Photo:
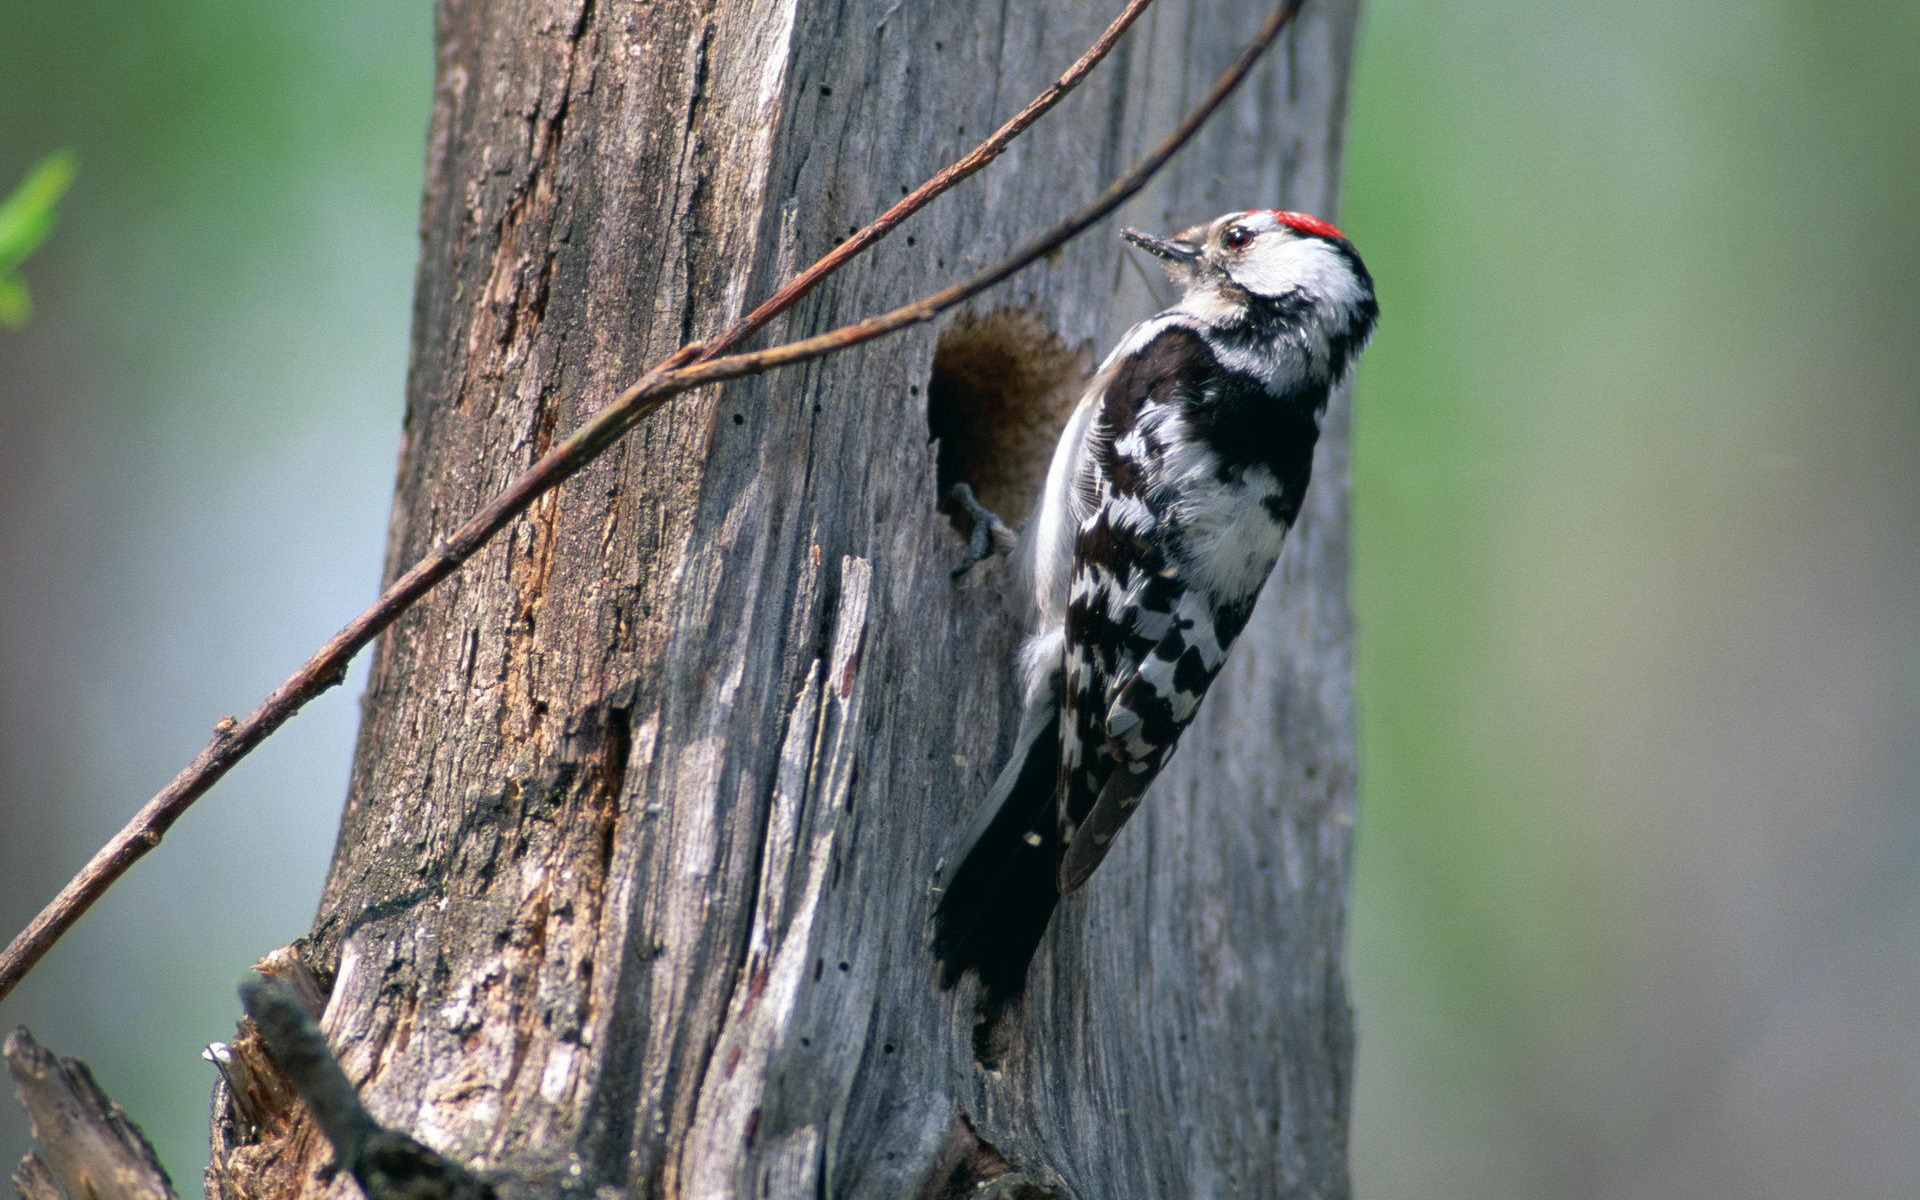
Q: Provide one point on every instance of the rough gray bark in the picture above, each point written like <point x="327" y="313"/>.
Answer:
<point x="631" y="889"/>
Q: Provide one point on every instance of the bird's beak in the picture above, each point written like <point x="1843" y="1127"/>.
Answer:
<point x="1171" y="249"/>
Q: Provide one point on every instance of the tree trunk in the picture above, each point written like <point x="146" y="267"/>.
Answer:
<point x="631" y="890"/>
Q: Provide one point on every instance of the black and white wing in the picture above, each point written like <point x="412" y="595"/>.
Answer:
<point x="1183" y="533"/>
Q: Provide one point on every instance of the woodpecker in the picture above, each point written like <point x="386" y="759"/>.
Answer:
<point x="1166" y="502"/>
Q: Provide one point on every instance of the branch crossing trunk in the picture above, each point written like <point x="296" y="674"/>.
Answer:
<point x="631" y="888"/>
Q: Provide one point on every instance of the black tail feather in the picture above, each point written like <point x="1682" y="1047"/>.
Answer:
<point x="999" y="887"/>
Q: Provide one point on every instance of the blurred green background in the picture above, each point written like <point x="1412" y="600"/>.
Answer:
<point x="1635" y="913"/>
<point x="1638" y="590"/>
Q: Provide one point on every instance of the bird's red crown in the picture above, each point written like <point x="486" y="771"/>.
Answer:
<point x="1307" y="223"/>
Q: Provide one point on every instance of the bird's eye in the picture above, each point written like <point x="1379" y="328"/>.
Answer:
<point x="1237" y="237"/>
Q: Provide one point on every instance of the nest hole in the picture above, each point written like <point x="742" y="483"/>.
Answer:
<point x="1002" y="387"/>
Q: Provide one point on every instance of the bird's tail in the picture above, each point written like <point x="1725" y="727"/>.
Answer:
<point x="998" y="886"/>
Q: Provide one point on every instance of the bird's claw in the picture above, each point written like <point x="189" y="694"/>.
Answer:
<point x="989" y="531"/>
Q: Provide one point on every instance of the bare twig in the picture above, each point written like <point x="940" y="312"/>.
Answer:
<point x="644" y="397"/>
<point x="671" y="378"/>
<point x="917" y="199"/>
<point x="689" y="367"/>
<point x="233" y="740"/>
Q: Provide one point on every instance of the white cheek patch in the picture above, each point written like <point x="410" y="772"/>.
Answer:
<point x="1283" y="264"/>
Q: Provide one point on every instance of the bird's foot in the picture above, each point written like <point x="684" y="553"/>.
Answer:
<point x="989" y="535"/>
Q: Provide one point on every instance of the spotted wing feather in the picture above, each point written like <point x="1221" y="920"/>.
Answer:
<point x="1128" y="603"/>
<point x="1183" y="532"/>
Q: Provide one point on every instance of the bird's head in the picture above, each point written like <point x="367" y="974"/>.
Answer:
<point x="1263" y="254"/>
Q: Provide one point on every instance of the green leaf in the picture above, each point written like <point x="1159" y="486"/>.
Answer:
<point x="26" y="217"/>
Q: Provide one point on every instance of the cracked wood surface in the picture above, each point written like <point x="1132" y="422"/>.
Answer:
<point x="631" y="887"/>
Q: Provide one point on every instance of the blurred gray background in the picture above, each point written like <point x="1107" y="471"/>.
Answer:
<point x="1635" y="913"/>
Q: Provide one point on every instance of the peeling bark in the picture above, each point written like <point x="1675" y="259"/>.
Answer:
<point x="630" y="891"/>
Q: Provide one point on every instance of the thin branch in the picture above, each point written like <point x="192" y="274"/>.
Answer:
<point x="671" y="378"/>
<point x="644" y="398"/>
<point x="688" y="367"/>
<point x="234" y="740"/>
<point x="917" y="199"/>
